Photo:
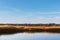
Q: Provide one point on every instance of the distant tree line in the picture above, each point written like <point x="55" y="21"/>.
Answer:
<point x="50" y="24"/>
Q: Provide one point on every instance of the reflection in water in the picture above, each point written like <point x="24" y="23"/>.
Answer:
<point x="33" y="36"/>
<point x="28" y="33"/>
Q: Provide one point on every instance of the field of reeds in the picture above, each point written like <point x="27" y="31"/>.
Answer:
<point x="11" y="29"/>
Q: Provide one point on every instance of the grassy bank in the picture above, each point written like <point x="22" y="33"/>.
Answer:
<point x="12" y="30"/>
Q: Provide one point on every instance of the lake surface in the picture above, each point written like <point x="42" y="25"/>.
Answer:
<point x="31" y="36"/>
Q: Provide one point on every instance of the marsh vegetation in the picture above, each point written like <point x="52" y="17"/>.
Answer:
<point x="16" y="28"/>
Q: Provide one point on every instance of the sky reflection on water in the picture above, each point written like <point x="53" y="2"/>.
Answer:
<point x="32" y="36"/>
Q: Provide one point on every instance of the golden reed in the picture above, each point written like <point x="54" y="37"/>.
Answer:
<point x="17" y="28"/>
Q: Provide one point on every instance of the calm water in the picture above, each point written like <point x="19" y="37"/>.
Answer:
<point x="31" y="36"/>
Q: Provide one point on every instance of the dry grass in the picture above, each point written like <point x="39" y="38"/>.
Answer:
<point x="17" y="29"/>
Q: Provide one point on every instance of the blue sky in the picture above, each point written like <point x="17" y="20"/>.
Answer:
<point x="29" y="11"/>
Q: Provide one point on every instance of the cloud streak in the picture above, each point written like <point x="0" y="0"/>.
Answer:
<point x="13" y="15"/>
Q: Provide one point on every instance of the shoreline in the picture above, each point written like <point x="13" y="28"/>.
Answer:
<point x="18" y="28"/>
